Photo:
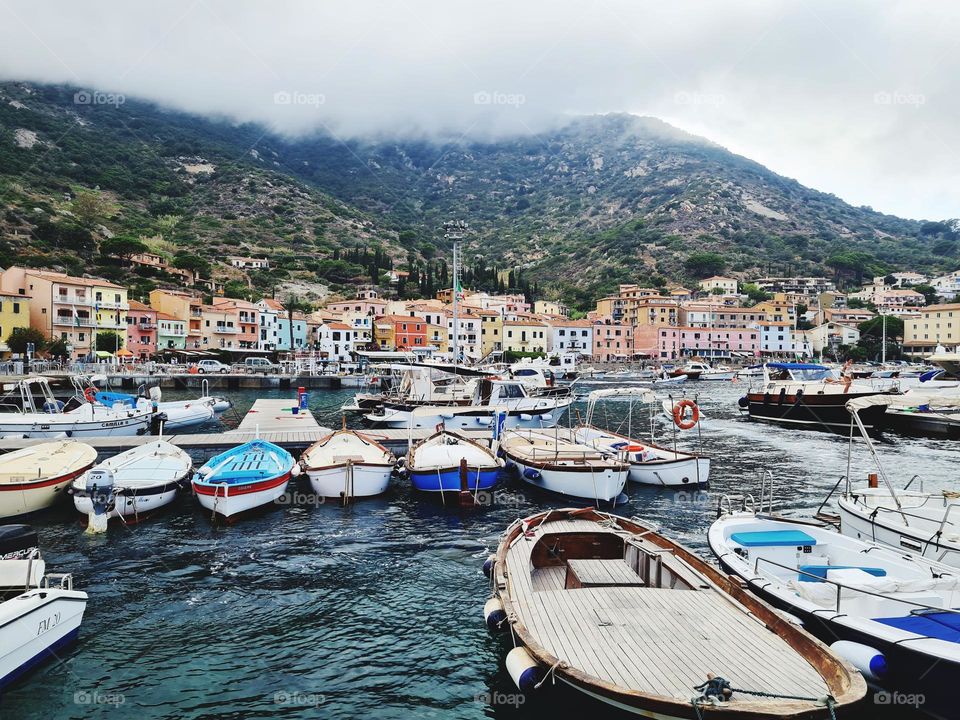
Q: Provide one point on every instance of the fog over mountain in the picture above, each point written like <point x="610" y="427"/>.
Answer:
<point x="855" y="98"/>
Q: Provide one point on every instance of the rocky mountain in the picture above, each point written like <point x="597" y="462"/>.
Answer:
<point x="600" y="200"/>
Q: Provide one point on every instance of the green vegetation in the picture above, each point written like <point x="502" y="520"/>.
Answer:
<point x="108" y="341"/>
<point x="19" y="338"/>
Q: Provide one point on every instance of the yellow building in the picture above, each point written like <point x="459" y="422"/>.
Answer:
<point x="185" y="307"/>
<point x="935" y="325"/>
<point x="548" y="307"/>
<point x="438" y="336"/>
<point x="14" y="313"/>
<point x="110" y="308"/>
<point x="491" y="331"/>
<point x="524" y="336"/>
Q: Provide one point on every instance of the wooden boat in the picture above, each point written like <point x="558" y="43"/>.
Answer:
<point x="550" y="461"/>
<point x="896" y="617"/>
<point x="34" y="477"/>
<point x="40" y="612"/>
<point x="632" y="619"/>
<point x="132" y="484"/>
<point x="434" y="464"/>
<point x="348" y="464"/>
<point x="244" y="478"/>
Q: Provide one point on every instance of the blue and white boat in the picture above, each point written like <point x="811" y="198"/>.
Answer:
<point x="894" y="616"/>
<point x="434" y="464"/>
<point x="243" y="478"/>
<point x="177" y="413"/>
<point x="40" y="612"/>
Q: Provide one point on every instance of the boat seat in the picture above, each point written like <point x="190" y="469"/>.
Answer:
<point x="773" y="538"/>
<point x="939" y="625"/>
<point x="821" y="571"/>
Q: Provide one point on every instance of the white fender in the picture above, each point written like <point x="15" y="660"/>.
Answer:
<point x="869" y="661"/>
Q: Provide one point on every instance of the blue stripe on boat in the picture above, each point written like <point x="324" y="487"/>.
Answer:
<point x="450" y="480"/>
<point x="49" y="653"/>
<point x="940" y="625"/>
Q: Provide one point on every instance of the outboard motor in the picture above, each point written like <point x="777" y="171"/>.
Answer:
<point x="100" y="490"/>
<point x="154" y="394"/>
<point x="17" y="542"/>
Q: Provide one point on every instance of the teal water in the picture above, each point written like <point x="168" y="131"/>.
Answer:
<point x="373" y="610"/>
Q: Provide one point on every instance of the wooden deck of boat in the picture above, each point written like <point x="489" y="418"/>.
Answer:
<point x="652" y="640"/>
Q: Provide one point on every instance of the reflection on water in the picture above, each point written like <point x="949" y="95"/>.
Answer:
<point x="371" y="610"/>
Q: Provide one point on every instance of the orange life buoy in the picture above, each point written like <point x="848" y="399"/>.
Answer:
<point x="633" y="448"/>
<point x="90" y="395"/>
<point x="680" y="418"/>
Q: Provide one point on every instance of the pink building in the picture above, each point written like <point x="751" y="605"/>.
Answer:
<point x="248" y="320"/>
<point x="612" y="341"/>
<point x="676" y="342"/>
<point x="141" y="330"/>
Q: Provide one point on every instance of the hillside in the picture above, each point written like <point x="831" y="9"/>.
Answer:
<point x="602" y="200"/>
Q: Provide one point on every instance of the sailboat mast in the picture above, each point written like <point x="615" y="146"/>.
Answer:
<point x="883" y="355"/>
<point x="456" y="292"/>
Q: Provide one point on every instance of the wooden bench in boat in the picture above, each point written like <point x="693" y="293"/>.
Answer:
<point x="600" y="573"/>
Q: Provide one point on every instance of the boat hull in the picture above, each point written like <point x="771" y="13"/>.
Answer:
<point x="924" y="424"/>
<point x="132" y="503"/>
<point x="812" y="412"/>
<point x="856" y="522"/>
<point x="232" y="500"/>
<point x="480" y="420"/>
<point x="35" y="626"/>
<point x="604" y="484"/>
<point x="684" y="472"/>
<point x="24" y="498"/>
<point x="53" y="427"/>
<point x="367" y="480"/>
<point x="448" y="479"/>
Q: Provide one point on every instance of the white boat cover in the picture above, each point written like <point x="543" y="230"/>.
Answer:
<point x="910" y="400"/>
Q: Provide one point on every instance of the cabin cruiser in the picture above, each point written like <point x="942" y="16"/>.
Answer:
<point x="698" y="370"/>
<point x="521" y="409"/>
<point x="806" y="395"/>
<point x="40" y="612"/>
<point x="47" y="417"/>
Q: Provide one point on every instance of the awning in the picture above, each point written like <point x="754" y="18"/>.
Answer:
<point x="910" y="399"/>
<point x="103" y="354"/>
<point x="123" y="352"/>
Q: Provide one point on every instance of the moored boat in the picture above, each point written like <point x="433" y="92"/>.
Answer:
<point x="132" y="484"/>
<point x="436" y="464"/>
<point x="35" y="477"/>
<point x="554" y="462"/>
<point x="40" y="612"/>
<point x="244" y="478"/>
<point x="629" y="618"/>
<point x="348" y="464"/>
<point x="896" y="617"/>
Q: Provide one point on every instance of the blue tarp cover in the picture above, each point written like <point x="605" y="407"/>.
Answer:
<point x="821" y="571"/>
<point x="773" y="538"/>
<point x="940" y="625"/>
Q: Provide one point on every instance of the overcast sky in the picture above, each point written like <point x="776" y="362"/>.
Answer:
<point x="855" y="98"/>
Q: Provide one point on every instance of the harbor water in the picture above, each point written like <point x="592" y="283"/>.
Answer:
<point x="373" y="610"/>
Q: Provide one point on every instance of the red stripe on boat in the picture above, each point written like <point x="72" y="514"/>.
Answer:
<point x="28" y="485"/>
<point x="217" y="489"/>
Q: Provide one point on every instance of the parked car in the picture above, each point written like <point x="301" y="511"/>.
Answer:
<point x="259" y="364"/>
<point x="212" y="366"/>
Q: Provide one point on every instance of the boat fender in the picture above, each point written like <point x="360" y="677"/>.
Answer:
<point x="484" y="420"/>
<point x="296" y="470"/>
<point x="799" y="396"/>
<point x="523" y="669"/>
<point x="488" y="565"/>
<point x="447" y="416"/>
<point x="494" y="615"/>
<point x="766" y="398"/>
<point x="869" y="661"/>
<point x="532" y="474"/>
<point x="744" y="402"/>
<point x="526" y="417"/>
<point x="782" y="396"/>
<point x="546" y="416"/>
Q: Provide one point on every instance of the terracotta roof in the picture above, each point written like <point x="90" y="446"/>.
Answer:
<point x="64" y="278"/>
<point x="338" y="326"/>
<point x="168" y="316"/>
<point x="524" y="323"/>
<point x="945" y="306"/>
<point x="400" y="318"/>
<point x="272" y="304"/>
<point x="139" y="306"/>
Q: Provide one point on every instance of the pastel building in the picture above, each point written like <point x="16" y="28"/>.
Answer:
<point x="186" y="307"/>
<point x="612" y="341"/>
<point x="335" y="341"/>
<point x="299" y="333"/>
<point x="141" y="330"/>
<point x="776" y="337"/>
<point x="246" y="316"/>
<point x="681" y="341"/>
<point x="469" y="334"/>
<point x="570" y="336"/>
<point x="14" y="313"/>
<point x="524" y="336"/>
<point x="270" y="311"/>
<point x="171" y="332"/>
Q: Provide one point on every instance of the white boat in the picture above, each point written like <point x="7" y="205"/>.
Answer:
<point x="436" y="464"/>
<point x="40" y="612"/>
<point x="47" y="417"/>
<point x="650" y="463"/>
<point x="176" y="414"/>
<point x="132" y="484"/>
<point x="491" y="395"/>
<point x="243" y="478"/>
<point x="550" y="461"/>
<point x="896" y="617"/>
<point x="924" y="523"/>
<point x="35" y="477"/>
<point x="347" y="464"/>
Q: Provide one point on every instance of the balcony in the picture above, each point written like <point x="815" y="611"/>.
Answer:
<point x="111" y="305"/>
<point x="71" y="321"/>
<point x="72" y="300"/>
<point x="145" y="326"/>
<point x="226" y="330"/>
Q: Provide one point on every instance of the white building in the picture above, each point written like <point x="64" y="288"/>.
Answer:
<point x="570" y="336"/>
<point x="336" y="340"/>
<point x="947" y="286"/>
<point x="806" y="286"/>
<point x="270" y="311"/>
<point x="776" y="337"/>
<point x="830" y="335"/>
<point x="469" y="343"/>
<point x="246" y="263"/>
<point x="728" y="285"/>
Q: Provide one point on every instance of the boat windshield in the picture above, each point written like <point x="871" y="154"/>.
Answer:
<point x="810" y="374"/>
